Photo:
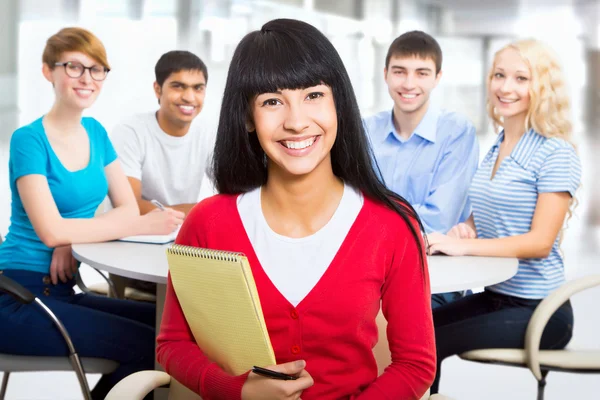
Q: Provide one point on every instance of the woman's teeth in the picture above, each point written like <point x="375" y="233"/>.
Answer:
<point x="298" y="145"/>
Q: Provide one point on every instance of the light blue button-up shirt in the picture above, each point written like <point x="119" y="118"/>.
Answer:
<point x="432" y="169"/>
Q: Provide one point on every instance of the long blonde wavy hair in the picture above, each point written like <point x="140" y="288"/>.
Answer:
<point x="549" y="111"/>
<point x="550" y="108"/>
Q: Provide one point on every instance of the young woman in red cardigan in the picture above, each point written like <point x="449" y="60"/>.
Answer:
<point x="328" y="244"/>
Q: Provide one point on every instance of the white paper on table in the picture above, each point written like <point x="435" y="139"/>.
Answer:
<point x="152" y="239"/>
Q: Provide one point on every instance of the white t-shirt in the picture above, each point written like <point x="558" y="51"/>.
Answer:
<point x="172" y="169"/>
<point x="295" y="265"/>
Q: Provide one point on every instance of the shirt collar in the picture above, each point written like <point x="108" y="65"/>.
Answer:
<point x="427" y="128"/>
<point x="524" y="148"/>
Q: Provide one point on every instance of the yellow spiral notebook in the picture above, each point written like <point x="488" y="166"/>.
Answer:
<point x="218" y="296"/>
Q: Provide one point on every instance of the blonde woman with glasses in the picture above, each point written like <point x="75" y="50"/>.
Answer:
<point x="521" y="195"/>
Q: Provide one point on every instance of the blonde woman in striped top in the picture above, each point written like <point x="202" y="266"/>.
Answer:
<point x="521" y="195"/>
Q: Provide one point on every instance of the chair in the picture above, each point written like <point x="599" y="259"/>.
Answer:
<point x="16" y="363"/>
<point x="540" y="362"/>
<point x="108" y="288"/>
<point x="138" y="385"/>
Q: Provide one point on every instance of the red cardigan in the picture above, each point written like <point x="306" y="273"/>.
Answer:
<point x="333" y="328"/>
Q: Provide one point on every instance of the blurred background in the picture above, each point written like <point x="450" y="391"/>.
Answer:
<point x="137" y="32"/>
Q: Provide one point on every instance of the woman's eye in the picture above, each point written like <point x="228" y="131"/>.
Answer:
<point x="270" y="102"/>
<point x="498" y="75"/>
<point x="315" y="95"/>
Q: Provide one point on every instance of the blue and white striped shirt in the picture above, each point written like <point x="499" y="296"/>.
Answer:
<point x="504" y="206"/>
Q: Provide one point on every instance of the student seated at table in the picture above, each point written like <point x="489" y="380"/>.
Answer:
<point x="61" y="167"/>
<point x="163" y="154"/>
<point x="425" y="154"/>
<point x="521" y="194"/>
<point x="327" y="242"/>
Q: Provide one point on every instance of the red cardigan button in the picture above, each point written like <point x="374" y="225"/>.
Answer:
<point x="294" y="314"/>
<point x="295" y="349"/>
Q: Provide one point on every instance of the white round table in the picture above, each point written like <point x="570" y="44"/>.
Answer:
<point x="148" y="262"/>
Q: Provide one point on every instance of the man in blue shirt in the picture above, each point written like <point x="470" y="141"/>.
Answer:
<point x="426" y="155"/>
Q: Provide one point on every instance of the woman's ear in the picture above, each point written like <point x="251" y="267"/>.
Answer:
<point x="47" y="72"/>
<point x="250" y="126"/>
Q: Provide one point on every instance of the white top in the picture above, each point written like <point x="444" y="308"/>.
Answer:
<point x="171" y="169"/>
<point x="148" y="262"/>
<point x="295" y="265"/>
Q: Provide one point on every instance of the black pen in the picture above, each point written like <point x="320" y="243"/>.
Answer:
<point x="273" y="374"/>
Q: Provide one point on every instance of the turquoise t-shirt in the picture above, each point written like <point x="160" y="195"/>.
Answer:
<point x="76" y="194"/>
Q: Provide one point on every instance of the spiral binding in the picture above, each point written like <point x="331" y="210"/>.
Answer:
<point x="210" y="254"/>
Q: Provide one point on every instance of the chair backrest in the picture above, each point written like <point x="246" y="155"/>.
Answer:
<point x="381" y="351"/>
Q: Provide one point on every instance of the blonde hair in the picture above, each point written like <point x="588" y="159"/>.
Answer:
<point x="549" y="109"/>
<point x="74" y="39"/>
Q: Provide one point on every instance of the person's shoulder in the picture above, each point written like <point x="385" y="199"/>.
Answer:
<point x="377" y="119"/>
<point x="27" y="133"/>
<point x="215" y="209"/>
<point x="551" y="146"/>
<point x="555" y="143"/>
<point x="134" y="128"/>
<point x="387" y="221"/>
<point x="456" y="124"/>
<point x="203" y="128"/>
<point x="140" y="123"/>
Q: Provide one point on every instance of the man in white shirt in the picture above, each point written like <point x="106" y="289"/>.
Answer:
<point x="164" y="156"/>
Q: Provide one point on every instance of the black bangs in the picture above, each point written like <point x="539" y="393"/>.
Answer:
<point x="285" y="54"/>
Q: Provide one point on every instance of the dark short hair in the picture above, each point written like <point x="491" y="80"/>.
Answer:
<point x="291" y="54"/>
<point x="175" y="61"/>
<point x="416" y="44"/>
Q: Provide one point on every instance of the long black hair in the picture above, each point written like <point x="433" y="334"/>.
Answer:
<point x="291" y="54"/>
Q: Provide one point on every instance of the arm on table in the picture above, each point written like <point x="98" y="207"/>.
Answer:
<point x="548" y="218"/>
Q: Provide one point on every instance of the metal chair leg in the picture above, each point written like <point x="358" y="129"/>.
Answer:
<point x="112" y="289"/>
<point x="542" y="385"/>
<point x="4" y="385"/>
<point x="73" y="357"/>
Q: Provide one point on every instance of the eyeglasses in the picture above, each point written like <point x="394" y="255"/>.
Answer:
<point x="76" y="70"/>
